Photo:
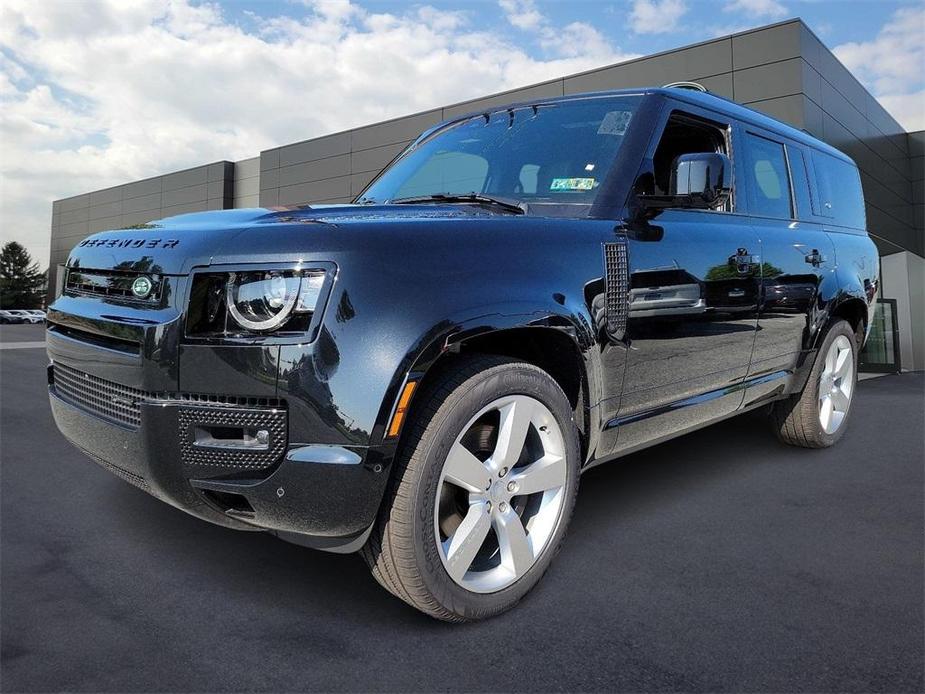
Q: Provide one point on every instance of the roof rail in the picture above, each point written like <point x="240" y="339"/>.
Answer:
<point x="693" y="86"/>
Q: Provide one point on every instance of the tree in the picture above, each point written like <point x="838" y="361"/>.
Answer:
<point x="21" y="282"/>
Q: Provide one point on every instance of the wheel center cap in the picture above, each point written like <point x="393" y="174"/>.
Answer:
<point x="498" y="491"/>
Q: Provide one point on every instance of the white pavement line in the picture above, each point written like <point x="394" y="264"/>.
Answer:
<point x="22" y="345"/>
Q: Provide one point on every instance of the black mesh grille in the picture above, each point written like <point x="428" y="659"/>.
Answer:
<point x="617" y="287"/>
<point x="196" y="456"/>
<point x="122" y="404"/>
<point x="109" y="400"/>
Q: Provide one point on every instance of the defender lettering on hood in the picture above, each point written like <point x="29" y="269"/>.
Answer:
<point x="129" y="243"/>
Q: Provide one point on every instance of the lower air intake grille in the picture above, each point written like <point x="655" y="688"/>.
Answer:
<point x="106" y="399"/>
<point x="122" y="404"/>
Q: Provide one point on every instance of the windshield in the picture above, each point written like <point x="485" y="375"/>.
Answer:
<point x="548" y="153"/>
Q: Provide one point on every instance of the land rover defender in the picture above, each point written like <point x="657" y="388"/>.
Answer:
<point x="524" y="292"/>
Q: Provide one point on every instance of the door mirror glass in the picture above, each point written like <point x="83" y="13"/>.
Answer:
<point x="701" y="179"/>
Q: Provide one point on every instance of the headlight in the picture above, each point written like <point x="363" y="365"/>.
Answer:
<point x="253" y="301"/>
<point x="264" y="301"/>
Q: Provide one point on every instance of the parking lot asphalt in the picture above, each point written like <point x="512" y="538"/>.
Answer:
<point x="720" y="561"/>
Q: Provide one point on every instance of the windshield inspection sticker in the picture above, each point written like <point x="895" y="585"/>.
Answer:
<point x="615" y="123"/>
<point x="572" y="184"/>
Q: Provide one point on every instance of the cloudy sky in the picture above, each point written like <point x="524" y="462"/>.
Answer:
<point x="99" y="92"/>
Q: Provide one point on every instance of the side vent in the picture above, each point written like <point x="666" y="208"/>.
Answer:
<point x="617" y="288"/>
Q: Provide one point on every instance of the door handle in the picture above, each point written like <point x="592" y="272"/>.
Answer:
<point x="815" y="258"/>
<point x="743" y="261"/>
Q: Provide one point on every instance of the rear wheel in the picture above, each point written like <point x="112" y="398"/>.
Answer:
<point x="484" y="489"/>
<point x="816" y="418"/>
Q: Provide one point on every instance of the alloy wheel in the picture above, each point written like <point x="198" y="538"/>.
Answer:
<point x="836" y="384"/>
<point x="500" y="494"/>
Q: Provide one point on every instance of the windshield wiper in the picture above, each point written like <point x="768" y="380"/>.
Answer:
<point x="503" y="203"/>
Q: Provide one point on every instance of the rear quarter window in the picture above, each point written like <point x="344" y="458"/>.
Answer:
<point x="840" y="196"/>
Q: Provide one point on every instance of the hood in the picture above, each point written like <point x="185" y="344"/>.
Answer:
<point x="174" y="245"/>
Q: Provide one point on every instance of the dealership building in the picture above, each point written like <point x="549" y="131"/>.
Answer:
<point x="783" y="70"/>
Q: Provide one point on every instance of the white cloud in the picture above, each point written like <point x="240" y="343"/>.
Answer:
<point x="569" y="41"/>
<point x="522" y="13"/>
<point x="891" y="65"/>
<point x="757" y="8"/>
<point x="908" y="109"/>
<point x="101" y="92"/>
<point x="656" y="16"/>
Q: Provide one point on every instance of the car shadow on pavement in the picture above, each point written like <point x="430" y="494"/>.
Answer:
<point x="260" y="568"/>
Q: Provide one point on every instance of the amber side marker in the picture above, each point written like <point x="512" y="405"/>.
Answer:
<point x="399" y="417"/>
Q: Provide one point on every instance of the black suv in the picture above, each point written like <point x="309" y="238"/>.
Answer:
<point x="525" y="292"/>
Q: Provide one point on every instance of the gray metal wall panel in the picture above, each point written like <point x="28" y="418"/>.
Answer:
<point x="763" y="82"/>
<point x="373" y="160"/>
<point x="789" y="109"/>
<point x="269" y="179"/>
<point x="695" y="63"/>
<point x="149" y="186"/>
<point x="246" y="187"/>
<point x="75" y="203"/>
<point x="397" y="130"/>
<point x="108" y="195"/>
<point x="311" y="150"/>
<point x="247" y="168"/>
<point x="315" y="191"/>
<point x="106" y="209"/>
<point x="768" y="45"/>
<point x="186" y="196"/>
<point x="142" y="203"/>
<point x="80" y="214"/>
<point x="247" y="201"/>
<point x="721" y="85"/>
<point x="104" y="223"/>
<point x="185" y="179"/>
<point x="317" y="170"/>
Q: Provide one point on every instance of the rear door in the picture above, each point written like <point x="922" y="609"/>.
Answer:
<point x="797" y="255"/>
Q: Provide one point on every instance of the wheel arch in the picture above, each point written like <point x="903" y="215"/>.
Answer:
<point x="555" y="342"/>
<point x="855" y="311"/>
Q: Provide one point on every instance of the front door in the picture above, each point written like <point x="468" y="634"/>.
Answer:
<point x="694" y="280"/>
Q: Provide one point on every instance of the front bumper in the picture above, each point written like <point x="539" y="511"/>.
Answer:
<point x="323" y="496"/>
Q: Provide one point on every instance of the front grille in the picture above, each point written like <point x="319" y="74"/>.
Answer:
<point x="111" y="284"/>
<point x="106" y="399"/>
<point x="122" y="404"/>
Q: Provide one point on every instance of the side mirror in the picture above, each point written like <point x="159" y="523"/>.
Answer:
<point x="701" y="179"/>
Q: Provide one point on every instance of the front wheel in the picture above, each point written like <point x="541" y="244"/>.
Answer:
<point x="484" y="488"/>
<point x="816" y="417"/>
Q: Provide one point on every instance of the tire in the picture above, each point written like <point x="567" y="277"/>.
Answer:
<point x="433" y="520"/>
<point x="800" y="420"/>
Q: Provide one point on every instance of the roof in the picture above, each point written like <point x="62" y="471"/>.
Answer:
<point x="703" y="99"/>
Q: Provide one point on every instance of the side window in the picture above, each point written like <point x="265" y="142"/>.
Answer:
<point x="801" y="190"/>
<point x="458" y="172"/>
<point x="682" y="135"/>
<point x="768" y="181"/>
<point x="840" y="194"/>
